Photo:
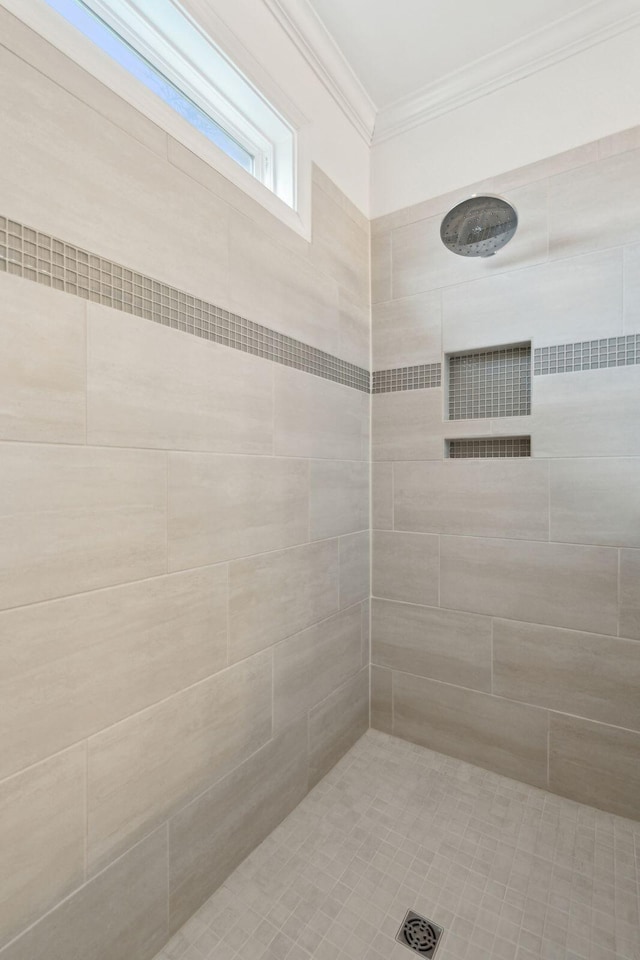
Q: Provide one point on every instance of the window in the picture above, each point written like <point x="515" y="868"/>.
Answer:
<point x="182" y="80"/>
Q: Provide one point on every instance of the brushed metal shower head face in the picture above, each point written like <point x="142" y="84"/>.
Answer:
<point x="479" y="226"/>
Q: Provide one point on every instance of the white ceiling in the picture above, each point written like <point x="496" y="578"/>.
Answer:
<point x="398" y="47"/>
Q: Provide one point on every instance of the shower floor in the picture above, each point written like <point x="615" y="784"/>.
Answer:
<point x="509" y="871"/>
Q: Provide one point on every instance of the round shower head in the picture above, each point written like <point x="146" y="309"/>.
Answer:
<point x="479" y="226"/>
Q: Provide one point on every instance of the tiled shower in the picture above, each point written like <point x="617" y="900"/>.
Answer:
<point x="320" y="563"/>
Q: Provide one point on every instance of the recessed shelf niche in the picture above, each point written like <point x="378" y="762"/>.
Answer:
<point x="478" y="448"/>
<point x="495" y="382"/>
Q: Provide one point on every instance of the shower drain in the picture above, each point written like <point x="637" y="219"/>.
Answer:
<point x="419" y="934"/>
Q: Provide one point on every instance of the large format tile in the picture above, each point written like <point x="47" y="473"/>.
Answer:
<point x="42" y="837"/>
<point x="631" y="297"/>
<point x="474" y="498"/>
<point x="595" y="764"/>
<point x="355" y="329"/>
<point x="75" y="519"/>
<point x="405" y="566"/>
<point x="339" y="245"/>
<point x="336" y="724"/>
<point x="382" y="495"/>
<point x="596" y="501"/>
<point x="278" y="594"/>
<point x="407" y="425"/>
<point x="211" y="836"/>
<point x="406" y="332"/>
<point x="145" y="768"/>
<point x="508" y="737"/>
<point x="610" y="220"/>
<point x="587" y="414"/>
<point x="121" y="913"/>
<point x="630" y="593"/>
<point x="42" y="364"/>
<point x="273" y="286"/>
<point x="339" y="497"/>
<point x="310" y="665"/>
<point x="381" y="699"/>
<point x="92" y="164"/>
<point x="319" y="418"/>
<point x="223" y="507"/>
<point x="355" y="568"/>
<point x="150" y="386"/>
<point x="421" y="262"/>
<point x="556" y="302"/>
<point x="381" y="267"/>
<point x="71" y="667"/>
<point x="428" y="642"/>
<point x="579" y="673"/>
<point x="564" y="585"/>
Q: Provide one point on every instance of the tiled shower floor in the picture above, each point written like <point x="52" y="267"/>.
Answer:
<point x="509" y="871"/>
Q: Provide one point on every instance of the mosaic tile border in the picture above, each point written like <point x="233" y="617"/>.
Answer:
<point x="489" y="383"/>
<point x="587" y="355"/>
<point x="27" y="253"/>
<point x="487" y="447"/>
<point x="420" y="377"/>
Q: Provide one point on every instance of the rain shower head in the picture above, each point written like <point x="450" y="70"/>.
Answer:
<point x="479" y="226"/>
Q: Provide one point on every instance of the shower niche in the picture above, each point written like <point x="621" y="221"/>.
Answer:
<point x="488" y="384"/>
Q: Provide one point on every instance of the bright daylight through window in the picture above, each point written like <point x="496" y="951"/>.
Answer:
<point x="163" y="48"/>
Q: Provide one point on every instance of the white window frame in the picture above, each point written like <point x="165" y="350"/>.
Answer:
<point x="256" y="114"/>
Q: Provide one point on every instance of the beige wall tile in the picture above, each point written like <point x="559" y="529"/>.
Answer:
<point x="481" y="498"/>
<point x="382" y="495"/>
<point x="211" y="836"/>
<point x="223" y="507"/>
<point x="501" y="735"/>
<point x="145" y="768"/>
<point x="339" y="245"/>
<point x="365" y="608"/>
<point x="42" y="363"/>
<point x="587" y="414"/>
<point x="631" y="288"/>
<point x="429" y="642"/>
<point x="355" y="329"/>
<point x="407" y="425"/>
<point x="406" y="332"/>
<point x="557" y="302"/>
<point x="278" y="594"/>
<point x="595" y="764"/>
<point x="596" y="501"/>
<point x="86" y="157"/>
<point x="381" y="702"/>
<point x="271" y="285"/>
<point x="381" y="267"/>
<point x="422" y="262"/>
<point x="71" y="667"/>
<point x="354" y="568"/>
<point x="120" y="913"/>
<point x="42" y="828"/>
<point x="310" y="665"/>
<point x="578" y="673"/>
<point x="75" y="519"/>
<point x="564" y="585"/>
<point x="630" y="593"/>
<point x="576" y="226"/>
<point x="319" y="418"/>
<point x="336" y="724"/>
<point x="405" y="566"/>
<point x="150" y="386"/>
<point x="339" y="497"/>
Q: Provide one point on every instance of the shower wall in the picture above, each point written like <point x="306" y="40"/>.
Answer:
<point x="184" y="572"/>
<point x="506" y="591"/>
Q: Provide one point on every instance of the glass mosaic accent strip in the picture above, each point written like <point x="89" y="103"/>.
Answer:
<point x="37" y="256"/>
<point x="489" y="447"/>
<point x="490" y="383"/>
<point x="420" y="377"/>
<point x="587" y="355"/>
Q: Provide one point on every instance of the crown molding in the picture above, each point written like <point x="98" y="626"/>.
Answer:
<point x="556" y="42"/>
<point x="305" y="28"/>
